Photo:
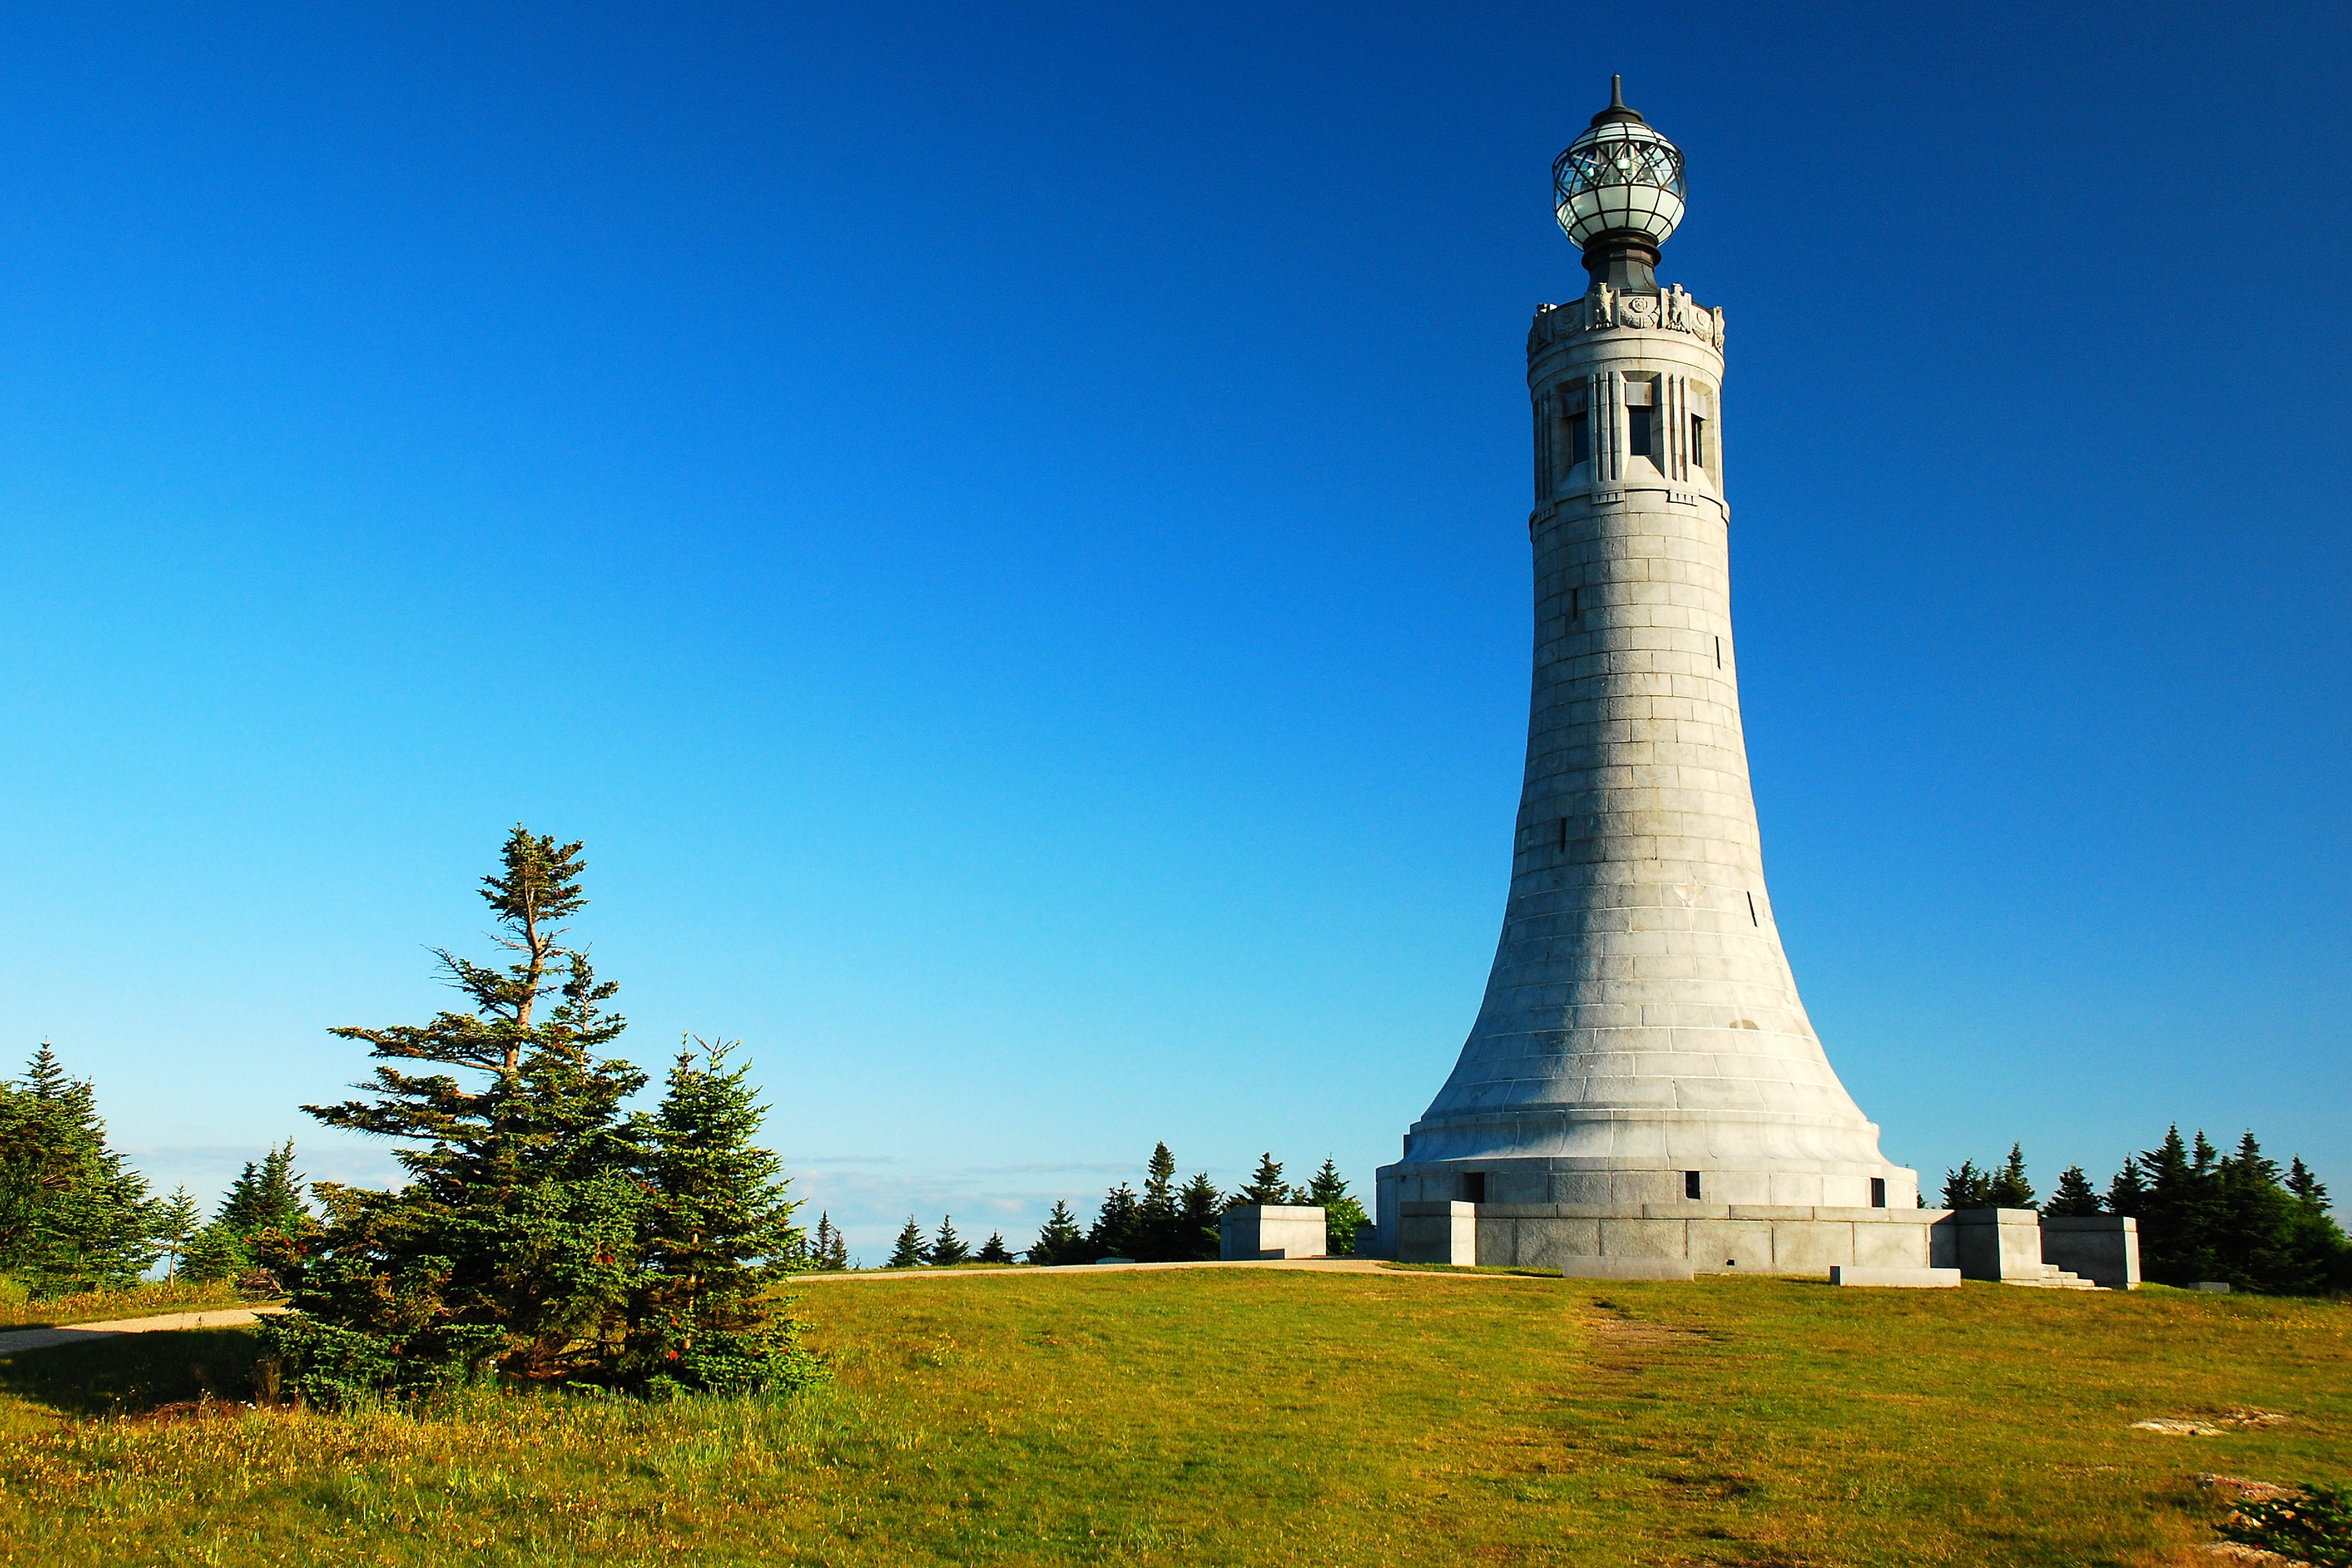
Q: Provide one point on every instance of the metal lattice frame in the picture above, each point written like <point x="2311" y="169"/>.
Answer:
<point x="1619" y="175"/>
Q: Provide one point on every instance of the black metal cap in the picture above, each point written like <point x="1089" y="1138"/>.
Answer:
<point x="1617" y="112"/>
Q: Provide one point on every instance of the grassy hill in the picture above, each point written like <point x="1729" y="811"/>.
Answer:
<point x="1251" y="1417"/>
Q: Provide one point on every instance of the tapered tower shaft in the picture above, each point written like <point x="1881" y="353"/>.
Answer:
<point x="1641" y="1041"/>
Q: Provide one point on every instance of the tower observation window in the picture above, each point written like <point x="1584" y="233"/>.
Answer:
<point x="1638" y="421"/>
<point x="1699" y="440"/>
<point x="1579" y="439"/>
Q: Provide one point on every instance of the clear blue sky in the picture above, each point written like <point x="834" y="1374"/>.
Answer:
<point x="1005" y="534"/>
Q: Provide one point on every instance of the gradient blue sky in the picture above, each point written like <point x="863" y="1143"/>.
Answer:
<point x="1005" y="534"/>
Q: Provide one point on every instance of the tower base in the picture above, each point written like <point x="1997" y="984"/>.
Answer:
<point x="1509" y="1213"/>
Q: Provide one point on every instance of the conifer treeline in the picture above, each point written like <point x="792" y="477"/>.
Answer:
<point x="2201" y="1214"/>
<point x="1165" y="1223"/>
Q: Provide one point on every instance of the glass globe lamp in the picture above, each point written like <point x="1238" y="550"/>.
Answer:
<point x="1618" y="194"/>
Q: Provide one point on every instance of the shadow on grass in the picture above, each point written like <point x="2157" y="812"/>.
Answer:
<point x="131" y="1374"/>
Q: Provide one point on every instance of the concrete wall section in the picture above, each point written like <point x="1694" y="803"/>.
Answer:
<point x="1713" y="1239"/>
<point x="1256" y="1231"/>
<point x="2103" y="1248"/>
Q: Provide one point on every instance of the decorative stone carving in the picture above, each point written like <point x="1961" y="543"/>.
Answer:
<point x="1602" y="308"/>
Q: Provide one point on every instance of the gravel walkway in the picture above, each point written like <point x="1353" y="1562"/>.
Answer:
<point x="75" y="1333"/>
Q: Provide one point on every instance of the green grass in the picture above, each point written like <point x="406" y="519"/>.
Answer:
<point x="144" y="1301"/>
<point x="1255" y="1416"/>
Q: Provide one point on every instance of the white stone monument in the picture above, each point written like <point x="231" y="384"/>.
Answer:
<point x="1642" y="1081"/>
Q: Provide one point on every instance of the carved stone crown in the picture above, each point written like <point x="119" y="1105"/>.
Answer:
<point x="1604" y="309"/>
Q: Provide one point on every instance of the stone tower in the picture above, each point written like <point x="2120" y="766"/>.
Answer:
<point x="1642" y="1054"/>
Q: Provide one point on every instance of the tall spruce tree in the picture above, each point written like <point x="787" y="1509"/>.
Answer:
<point x="2128" y="1192"/>
<point x="717" y="1229"/>
<point x="1343" y="1217"/>
<point x="73" y="1215"/>
<point x="1115" y="1230"/>
<point x="1059" y="1239"/>
<point x="2175" y="1235"/>
<point x="2305" y="1186"/>
<point x="1968" y="1187"/>
<point x="911" y="1251"/>
<point x="1157" y="1214"/>
<point x="1265" y="1188"/>
<point x="2073" y="1198"/>
<point x="948" y="1248"/>
<point x="2007" y="1188"/>
<point x="515" y="1241"/>
<point x="1199" y="1207"/>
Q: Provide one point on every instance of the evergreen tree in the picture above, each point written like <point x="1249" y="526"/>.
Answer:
<point x="2128" y="1194"/>
<point x="2074" y="1196"/>
<point x="1114" y="1235"/>
<point x="2007" y="1188"/>
<point x="1343" y="1217"/>
<point x="1199" y="1207"/>
<point x="1058" y="1240"/>
<point x="515" y="1241"/>
<point x="1158" y="1215"/>
<point x="994" y="1249"/>
<point x="911" y="1251"/>
<point x="2175" y="1217"/>
<point x="267" y="1196"/>
<point x="2306" y="1186"/>
<point x="73" y="1215"/>
<point x="828" y="1251"/>
<point x="717" y="1231"/>
<point x="1265" y="1188"/>
<point x="1968" y="1187"/>
<point x="176" y="1224"/>
<point x="948" y="1247"/>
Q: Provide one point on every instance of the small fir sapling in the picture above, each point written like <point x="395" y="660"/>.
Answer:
<point x="175" y="1223"/>
<point x="911" y="1251"/>
<point x="994" y="1249"/>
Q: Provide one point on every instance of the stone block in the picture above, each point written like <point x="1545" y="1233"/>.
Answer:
<point x="1897" y="1243"/>
<point x="2103" y="1248"/>
<point x="1543" y="1243"/>
<point x="1438" y="1233"/>
<point x="1902" y="1279"/>
<point x="1810" y="1246"/>
<point x="1997" y="1243"/>
<point x="1626" y="1268"/>
<point x="1729" y="1246"/>
<point x="1644" y="1238"/>
<point x="1271" y="1230"/>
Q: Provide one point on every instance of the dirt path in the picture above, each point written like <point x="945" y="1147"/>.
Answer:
<point x="75" y="1333"/>
<point x="1303" y="1264"/>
